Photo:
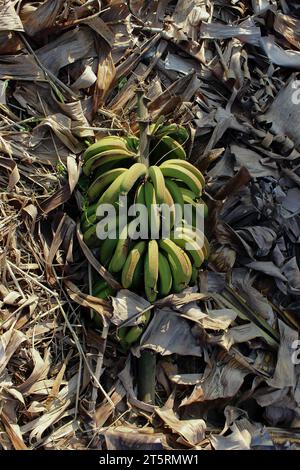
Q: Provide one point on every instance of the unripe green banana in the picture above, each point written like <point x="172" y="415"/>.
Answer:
<point x="90" y="237"/>
<point x="186" y="176"/>
<point x="131" y="176"/>
<point x="153" y="210"/>
<point x="107" y="250"/>
<point x="131" y="264"/>
<point x="136" y="331"/>
<point x="188" y="166"/>
<point x="168" y="148"/>
<point x="176" y="194"/>
<point x="194" y="275"/>
<point x="165" y="275"/>
<point x="158" y="182"/>
<point x="104" y="144"/>
<point x="102" y="159"/>
<point x="175" y="131"/>
<point x="170" y="203"/>
<point x="121" y="252"/>
<point x="140" y="195"/>
<point x="192" y="248"/>
<point x="179" y="262"/>
<point x="151" y="271"/>
<point x="100" y="183"/>
<point x="133" y="143"/>
<point x="112" y="193"/>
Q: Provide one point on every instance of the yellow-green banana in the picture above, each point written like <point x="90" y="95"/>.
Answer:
<point x="182" y="174"/>
<point x="151" y="271"/>
<point x="188" y="166"/>
<point x="100" y="183"/>
<point x="158" y="182"/>
<point x="112" y="193"/>
<point x="131" y="264"/>
<point x="104" y="144"/>
<point x="131" y="176"/>
<point x="110" y="156"/>
<point x="153" y="210"/>
<point x="121" y="252"/>
<point x="179" y="262"/>
<point x="192" y="248"/>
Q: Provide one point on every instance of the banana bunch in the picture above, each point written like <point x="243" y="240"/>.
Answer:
<point x="152" y="264"/>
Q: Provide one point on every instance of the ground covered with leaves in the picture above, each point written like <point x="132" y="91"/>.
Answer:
<point x="227" y="372"/>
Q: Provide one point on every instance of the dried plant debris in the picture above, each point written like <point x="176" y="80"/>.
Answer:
<point x="227" y="370"/>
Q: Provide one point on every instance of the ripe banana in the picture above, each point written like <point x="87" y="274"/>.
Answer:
<point x="131" y="263"/>
<point x="182" y="174"/>
<point x="179" y="262"/>
<point x="131" y="176"/>
<point x="121" y="252"/>
<point x="158" y="182"/>
<point x="100" y="183"/>
<point x="165" y="275"/>
<point x="153" y="210"/>
<point x="188" y="166"/>
<point x="104" y="144"/>
<point x="151" y="271"/>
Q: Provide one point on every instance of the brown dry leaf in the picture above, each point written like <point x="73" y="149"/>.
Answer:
<point x="39" y="18"/>
<point x="168" y="333"/>
<point x="192" y="431"/>
<point x="9" y="20"/>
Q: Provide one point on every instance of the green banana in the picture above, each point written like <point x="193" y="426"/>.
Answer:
<point x="179" y="262"/>
<point x="131" y="264"/>
<point x="168" y="200"/>
<point x="153" y="211"/>
<point x="131" y="176"/>
<point x="192" y="248"/>
<point x="175" y="131"/>
<point x="100" y="183"/>
<point x="188" y="166"/>
<point x="112" y="193"/>
<point x="138" y="276"/>
<point x="90" y="237"/>
<point x="158" y="182"/>
<point x="140" y="195"/>
<point x="107" y="250"/>
<point x="133" y="143"/>
<point x="194" y="275"/>
<point x="136" y="331"/>
<point x="165" y="275"/>
<point x="151" y="271"/>
<point x="186" y="176"/>
<point x="104" y="144"/>
<point x="176" y="194"/>
<point x="168" y="148"/>
<point x="121" y="252"/>
<point x="102" y="159"/>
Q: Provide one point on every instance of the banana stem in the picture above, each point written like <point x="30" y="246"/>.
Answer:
<point x="143" y="120"/>
<point x="146" y="376"/>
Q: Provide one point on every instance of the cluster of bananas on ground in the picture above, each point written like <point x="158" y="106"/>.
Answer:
<point x="152" y="264"/>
